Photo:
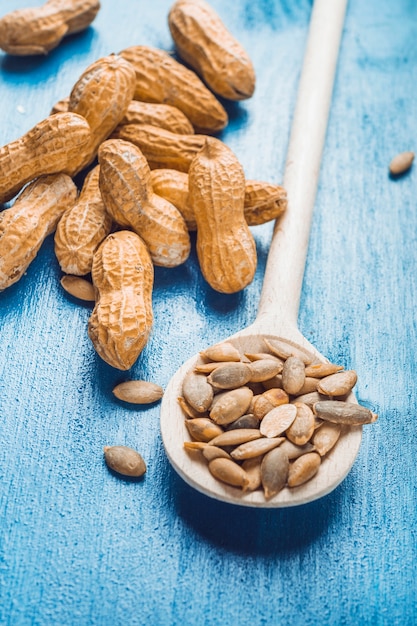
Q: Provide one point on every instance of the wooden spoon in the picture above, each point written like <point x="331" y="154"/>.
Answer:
<point x="280" y="297"/>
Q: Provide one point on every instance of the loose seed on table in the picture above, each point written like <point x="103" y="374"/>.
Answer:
<point x="124" y="460"/>
<point x="401" y="163"/>
<point x="78" y="287"/>
<point x="138" y="392"/>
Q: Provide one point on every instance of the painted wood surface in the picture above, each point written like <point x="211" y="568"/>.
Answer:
<point x="78" y="545"/>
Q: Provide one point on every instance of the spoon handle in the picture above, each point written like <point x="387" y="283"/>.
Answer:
<point x="281" y="291"/>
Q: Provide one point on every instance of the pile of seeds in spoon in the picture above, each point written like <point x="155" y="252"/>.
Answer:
<point x="265" y="420"/>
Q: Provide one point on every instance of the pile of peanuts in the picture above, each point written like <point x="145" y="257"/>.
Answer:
<point x="265" y="420"/>
<point x="139" y="125"/>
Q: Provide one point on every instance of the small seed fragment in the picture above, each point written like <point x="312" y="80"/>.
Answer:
<point x="230" y="405"/>
<point x="138" y="392"/>
<point x="202" y="429"/>
<point x="401" y="163"/>
<point x="344" y="412"/>
<point x="274" y="472"/>
<point x="278" y="420"/>
<point x="221" y="352"/>
<point x="229" y="472"/>
<point x="197" y="392"/>
<point x="338" y="384"/>
<point x="78" y="287"/>
<point x="264" y="369"/>
<point x="302" y="428"/>
<point x="235" y="437"/>
<point x="254" y="448"/>
<point x="293" y="375"/>
<point x="326" y="437"/>
<point x="230" y="376"/>
<point x="195" y="445"/>
<point x="303" y="469"/>
<point x="124" y="460"/>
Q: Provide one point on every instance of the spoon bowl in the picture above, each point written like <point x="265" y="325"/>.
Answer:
<point x="280" y="298"/>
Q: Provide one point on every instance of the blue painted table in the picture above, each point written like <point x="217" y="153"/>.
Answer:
<point x="79" y="546"/>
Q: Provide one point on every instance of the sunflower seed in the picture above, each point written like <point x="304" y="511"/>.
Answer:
<point x="302" y="428"/>
<point x="230" y="375"/>
<point x="344" y="412"/>
<point x="254" y="448"/>
<point x="235" y="437"/>
<point x="326" y="437"/>
<point x="221" y="352"/>
<point x="293" y="375"/>
<point x="338" y="384"/>
<point x="203" y="429"/>
<point x="229" y="472"/>
<point x="274" y="472"/>
<point x="230" y="405"/>
<point x="138" y="392"/>
<point x="124" y="460"/>
<point x="197" y="392"/>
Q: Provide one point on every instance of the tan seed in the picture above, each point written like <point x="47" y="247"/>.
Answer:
<point x="124" y="460"/>
<point x="235" y="437"/>
<point x="293" y="375"/>
<point x="258" y="447"/>
<point x="230" y="405"/>
<point x="229" y="472"/>
<point x="310" y="384"/>
<point x="213" y="452"/>
<point x="197" y="392"/>
<point x="78" y="287"/>
<point x="259" y="356"/>
<point x="319" y="370"/>
<point x="278" y="420"/>
<point x="268" y="400"/>
<point x="326" y="437"/>
<point x="401" y="163"/>
<point x="252" y="468"/>
<point x="293" y="451"/>
<point x="344" y="412"/>
<point x="303" y="469"/>
<point x="230" y="376"/>
<point x="284" y="349"/>
<point x="188" y="410"/>
<point x="202" y="429"/>
<point x="221" y="352"/>
<point x="138" y="392"/>
<point x="338" y="384"/>
<point x="246" y="421"/>
<point x="302" y="428"/>
<point x="207" y="368"/>
<point x="195" y="445"/>
<point x="273" y="383"/>
<point x="274" y="472"/>
<point x="264" y="369"/>
<point x="309" y="398"/>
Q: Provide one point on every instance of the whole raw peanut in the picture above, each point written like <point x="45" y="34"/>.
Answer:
<point x="160" y="78"/>
<point x="263" y="201"/>
<point x="102" y="95"/>
<point x="25" y="225"/>
<point x="161" y="147"/>
<point x="122" y="318"/>
<point x="129" y="198"/>
<point x="210" y="49"/>
<point x="56" y="144"/>
<point x="225" y="246"/>
<point x="156" y="114"/>
<point x="82" y="228"/>
<point x="37" y="30"/>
